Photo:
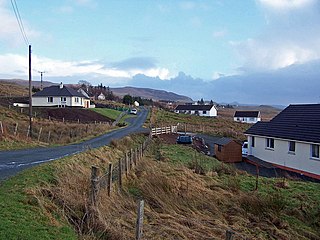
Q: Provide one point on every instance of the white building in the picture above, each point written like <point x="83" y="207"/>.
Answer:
<point x="200" y="110"/>
<point x="60" y="96"/>
<point x="247" y="116"/>
<point x="290" y="141"/>
<point x="101" y="96"/>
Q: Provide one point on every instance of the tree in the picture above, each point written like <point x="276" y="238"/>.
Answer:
<point x="201" y="101"/>
<point x="211" y="102"/>
<point x="127" y="99"/>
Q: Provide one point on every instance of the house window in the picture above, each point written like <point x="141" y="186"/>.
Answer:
<point x="251" y="119"/>
<point x="63" y="99"/>
<point x="50" y="99"/>
<point x="204" y="112"/>
<point x="270" y="143"/>
<point x="219" y="148"/>
<point x="76" y="99"/>
<point x="314" y="151"/>
<point x="292" y="146"/>
<point x="252" y="141"/>
<point x="196" y="112"/>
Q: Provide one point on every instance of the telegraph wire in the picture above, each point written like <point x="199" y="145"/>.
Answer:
<point x="19" y="20"/>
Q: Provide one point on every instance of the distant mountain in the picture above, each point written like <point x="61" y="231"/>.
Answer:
<point x="150" y="93"/>
<point x="120" y="91"/>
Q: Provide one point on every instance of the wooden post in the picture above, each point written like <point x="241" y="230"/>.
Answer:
<point x="78" y="120"/>
<point x="94" y="185"/>
<point x="16" y="129"/>
<point x="49" y="118"/>
<point x="139" y="223"/>
<point x="63" y="119"/>
<point x="257" y="177"/>
<point x="49" y="136"/>
<point x="28" y="131"/>
<point x="39" y="135"/>
<point x="109" y="179"/>
<point x="120" y="176"/>
<point x="126" y="168"/>
<point x="21" y="110"/>
<point x="229" y="234"/>
<point x="141" y="151"/>
<point x="1" y="127"/>
<point x="131" y="158"/>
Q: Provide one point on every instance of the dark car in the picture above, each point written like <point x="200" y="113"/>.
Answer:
<point x="184" y="139"/>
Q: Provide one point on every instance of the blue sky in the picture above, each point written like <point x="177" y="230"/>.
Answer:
<point x="112" y="41"/>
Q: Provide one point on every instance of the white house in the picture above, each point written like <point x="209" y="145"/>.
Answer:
<point x="200" y="110"/>
<point x="60" y="96"/>
<point x="247" y="116"/>
<point x="291" y="140"/>
<point x="101" y="96"/>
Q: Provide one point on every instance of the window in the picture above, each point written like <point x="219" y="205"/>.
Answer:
<point x="270" y="143"/>
<point x="252" y="141"/>
<point x="76" y="99"/>
<point x="50" y="99"/>
<point x="204" y="112"/>
<point x="63" y="99"/>
<point x="251" y="119"/>
<point x="314" y="151"/>
<point x="292" y="146"/>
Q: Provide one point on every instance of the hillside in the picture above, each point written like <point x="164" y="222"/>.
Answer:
<point x="121" y="91"/>
<point x="150" y="93"/>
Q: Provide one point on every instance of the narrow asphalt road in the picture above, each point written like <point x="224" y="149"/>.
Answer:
<point x="12" y="162"/>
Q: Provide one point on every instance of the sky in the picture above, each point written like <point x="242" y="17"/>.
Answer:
<point x="198" y="48"/>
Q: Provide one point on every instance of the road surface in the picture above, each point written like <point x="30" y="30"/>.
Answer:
<point x="12" y="162"/>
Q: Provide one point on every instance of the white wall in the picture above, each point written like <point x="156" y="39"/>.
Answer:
<point x="211" y="113"/>
<point x="246" y="119"/>
<point x="300" y="160"/>
<point x="70" y="101"/>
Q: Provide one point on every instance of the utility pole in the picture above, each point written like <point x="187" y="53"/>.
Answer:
<point x="41" y="74"/>
<point x="30" y="95"/>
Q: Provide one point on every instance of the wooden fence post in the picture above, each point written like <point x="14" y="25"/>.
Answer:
<point x="94" y="185"/>
<point x="28" y="131"/>
<point x="229" y="235"/>
<point x="1" y="126"/>
<point x="16" y="129"/>
<point x="49" y="118"/>
<point x="39" y="135"/>
<point x="49" y="136"/>
<point x="141" y="151"/>
<point x="131" y="158"/>
<point x="126" y="164"/>
<point x="120" y="175"/>
<point x="139" y="223"/>
<point x="109" y="179"/>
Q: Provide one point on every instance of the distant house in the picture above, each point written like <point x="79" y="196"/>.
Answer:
<point x="247" y="116"/>
<point x="101" y="96"/>
<point x="228" y="150"/>
<point x="200" y="110"/>
<point x="291" y="140"/>
<point x="60" y="96"/>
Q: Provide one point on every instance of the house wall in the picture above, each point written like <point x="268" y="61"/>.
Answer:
<point x="246" y="119"/>
<point x="70" y="102"/>
<point x="300" y="160"/>
<point x="230" y="152"/>
<point x="211" y="113"/>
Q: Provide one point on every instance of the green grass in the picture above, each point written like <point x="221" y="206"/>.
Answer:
<point x="110" y="113"/>
<point x="21" y="217"/>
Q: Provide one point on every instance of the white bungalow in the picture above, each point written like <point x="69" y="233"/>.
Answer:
<point x="200" y="110"/>
<point x="247" y="116"/>
<point x="60" y="96"/>
<point x="291" y="140"/>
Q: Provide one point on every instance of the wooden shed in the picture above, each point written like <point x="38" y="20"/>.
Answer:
<point x="228" y="150"/>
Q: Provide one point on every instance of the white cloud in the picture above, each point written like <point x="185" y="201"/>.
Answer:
<point x="219" y="34"/>
<point x="13" y="65"/>
<point x="286" y="4"/>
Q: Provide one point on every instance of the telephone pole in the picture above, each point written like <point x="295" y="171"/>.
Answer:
<point x="41" y="74"/>
<point x="30" y="95"/>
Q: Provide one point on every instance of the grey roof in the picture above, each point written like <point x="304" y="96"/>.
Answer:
<point x="247" y="114"/>
<point x="54" y="91"/>
<point x="194" y="107"/>
<point x="296" y="122"/>
<point x="223" y="141"/>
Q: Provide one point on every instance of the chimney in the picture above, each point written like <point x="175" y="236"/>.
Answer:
<point x="61" y="85"/>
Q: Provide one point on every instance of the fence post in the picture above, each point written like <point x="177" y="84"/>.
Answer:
<point x="120" y="175"/>
<point x="16" y="128"/>
<point x="110" y="179"/>
<point x="28" y="131"/>
<point x="39" y="135"/>
<point x="141" y="151"/>
<point x="131" y="158"/>
<point x="49" y="118"/>
<point x="94" y="185"/>
<point x="139" y="223"/>
<point x="1" y="126"/>
<point x="49" y="136"/>
<point x="126" y="164"/>
<point x="229" y="235"/>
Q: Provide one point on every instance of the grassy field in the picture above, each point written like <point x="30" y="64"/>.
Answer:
<point x="187" y="196"/>
<point x="110" y="113"/>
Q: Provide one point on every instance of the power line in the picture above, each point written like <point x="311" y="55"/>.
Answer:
<point x="19" y="20"/>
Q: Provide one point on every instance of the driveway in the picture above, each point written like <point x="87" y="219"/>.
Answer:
<point x="12" y="162"/>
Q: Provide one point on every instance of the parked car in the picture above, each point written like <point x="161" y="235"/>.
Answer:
<point x="133" y="111"/>
<point x="184" y="139"/>
<point x="245" y="148"/>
